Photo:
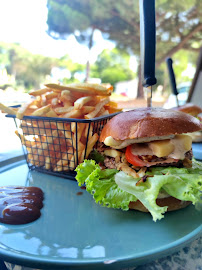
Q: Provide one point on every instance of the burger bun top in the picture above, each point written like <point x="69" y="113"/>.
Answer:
<point x="149" y="122"/>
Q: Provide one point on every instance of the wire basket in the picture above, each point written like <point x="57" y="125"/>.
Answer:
<point x="57" y="145"/>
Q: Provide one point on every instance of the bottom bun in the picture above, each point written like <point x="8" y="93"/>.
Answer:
<point x="172" y="203"/>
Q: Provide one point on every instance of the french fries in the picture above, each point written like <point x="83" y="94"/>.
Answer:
<point x="97" y="109"/>
<point x="23" y="109"/>
<point x="39" y="92"/>
<point x="42" y="111"/>
<point x="7" y="109"/>
<point x="79" y="103"/>
<point x="61" y="145"/>
<point x="84" y="88"/>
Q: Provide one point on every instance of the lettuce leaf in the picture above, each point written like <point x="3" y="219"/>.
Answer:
<point x="115" y="189"/>
<point x="174" y="185"/>
<point x="147" y="196"/>
<point x="192" y="176"/>
<point x="101" y="184"/>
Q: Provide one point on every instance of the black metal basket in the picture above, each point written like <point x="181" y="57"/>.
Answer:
<point x="57" y="145"/>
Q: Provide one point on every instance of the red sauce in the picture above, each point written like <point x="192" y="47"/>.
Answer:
<point x="20" y="205"/>
<point x="79" y="193"/>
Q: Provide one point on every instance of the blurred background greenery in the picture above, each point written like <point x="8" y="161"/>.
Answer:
<point x="95" y="22"/>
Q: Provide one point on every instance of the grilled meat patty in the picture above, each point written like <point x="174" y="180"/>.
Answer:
<point x="110" y="162"/>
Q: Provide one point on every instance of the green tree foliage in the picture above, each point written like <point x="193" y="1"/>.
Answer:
<point x="178" y="25"/>
<point x="4" y="56"/>
<point x="28" y="69"/>
<point x="65" y="62"/>
<point x="112" y="66"/>
<point x="183" y="59"/>
<point x="178" y="22"/>
<point x="33" y="72"/>
<point x="67" y="18"/>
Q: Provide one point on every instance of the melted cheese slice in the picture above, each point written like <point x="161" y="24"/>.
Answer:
<point x="162" y="148"/>
<point x="172" y="148"/>
<point x="109" y="141"/>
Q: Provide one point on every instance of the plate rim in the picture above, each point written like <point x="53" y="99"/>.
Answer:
<point x="166" y="250"/>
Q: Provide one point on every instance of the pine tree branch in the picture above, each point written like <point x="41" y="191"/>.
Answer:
<point x="131" y="23"/>
<point x="189" y="48"/>
<point x="181" y="44"/>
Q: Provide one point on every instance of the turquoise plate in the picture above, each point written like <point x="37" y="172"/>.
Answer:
<point x="75" y="233"/>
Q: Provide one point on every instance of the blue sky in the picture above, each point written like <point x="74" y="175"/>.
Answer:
<point x="24" y="21"/>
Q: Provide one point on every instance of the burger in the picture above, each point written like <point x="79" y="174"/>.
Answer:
<point x="195" y="111"/>
<point x="144" y="162"/>
<point x="190" y="108"/>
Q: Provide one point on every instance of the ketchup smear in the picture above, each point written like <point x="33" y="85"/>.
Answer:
<point x="20" y="205"/>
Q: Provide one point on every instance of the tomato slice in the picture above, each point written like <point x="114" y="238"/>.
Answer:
<point x="133" y="159"/>
<point x="138" y="162"/>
